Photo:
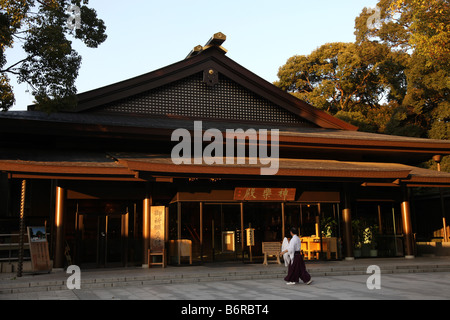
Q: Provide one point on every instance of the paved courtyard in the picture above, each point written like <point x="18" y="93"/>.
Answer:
<point x="406" y="286"/>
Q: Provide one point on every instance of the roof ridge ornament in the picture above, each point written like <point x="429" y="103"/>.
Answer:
<point x="215" y="41"/>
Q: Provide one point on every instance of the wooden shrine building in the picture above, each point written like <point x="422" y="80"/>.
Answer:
<point x="96" y="174"/>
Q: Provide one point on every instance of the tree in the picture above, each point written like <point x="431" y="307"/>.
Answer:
<point x="429" y="28"/>
<point x="347" y="80"/>
<point x="50" y="66"/>
<point x="387" y="81"/>
<point x="421" y="30"/>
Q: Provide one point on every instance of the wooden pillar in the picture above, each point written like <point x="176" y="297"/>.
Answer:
<point x="179" y="231"/>
<point x="380" y="222"/>
<point x="124" y="236"/>
<point x="242" y="230"/>
<point x="79" y="229"/>
<point x="438" y="159"/>
<point x="283" y="231"/>
<point x="444" y="221"/>
<point x="407" y="228"/>
<point x="59" y="227"/>
<point x="146" y="228"/>
<point x="347" y="219"/>
<point x="201" y="231"/>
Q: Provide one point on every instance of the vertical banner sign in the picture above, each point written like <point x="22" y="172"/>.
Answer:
<point x="157" y="229"/>
<point x="250" y="241"/>
<point x="250" y="236"/>
<point x="40" y="258"/>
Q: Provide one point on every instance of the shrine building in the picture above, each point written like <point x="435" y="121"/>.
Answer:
<point x="172" y="167"/>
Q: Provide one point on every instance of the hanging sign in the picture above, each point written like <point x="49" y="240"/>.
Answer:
<point x="264" y="194"/>
<point x="157" y="228"/>
<point x="250" y="236"/>
<point x="40" y="258"/>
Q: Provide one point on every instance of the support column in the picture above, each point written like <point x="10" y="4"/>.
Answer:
<point x="59" y="227"/>
<point x="241" y="206"/>
<point x="283" y="231"/>
<point x="438" y="159"/>
<point x="124" y="236"/>
<point x="347" y="219"/>
<point x="380" y="224"/>
<point x="201" y="232"/>
<point x="179" y="231"/>
<point x="444" y="221"/>
<point x="407" y="228"/>
<point x="147" y="203"/>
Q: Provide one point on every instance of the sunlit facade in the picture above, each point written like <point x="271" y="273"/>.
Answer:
<point x="95" y="173"/>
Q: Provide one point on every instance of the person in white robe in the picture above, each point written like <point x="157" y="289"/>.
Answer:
<point x="284" y="246"/>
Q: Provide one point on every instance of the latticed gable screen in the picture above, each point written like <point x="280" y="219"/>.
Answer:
<point x="191" y="97"/>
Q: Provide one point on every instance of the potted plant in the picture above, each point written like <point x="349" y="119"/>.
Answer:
<point x="357" y="238"/>
<point x="328" y="225"/>
<point x="370" y="239"/>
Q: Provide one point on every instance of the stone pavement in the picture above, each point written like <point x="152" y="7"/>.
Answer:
<point x="419" y="278"/>
<point x="405" y="286"/>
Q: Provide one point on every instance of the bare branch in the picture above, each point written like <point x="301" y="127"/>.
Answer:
<point x="11" y="68"/>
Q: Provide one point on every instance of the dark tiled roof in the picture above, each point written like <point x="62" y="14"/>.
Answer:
<point x="175" y="123"/>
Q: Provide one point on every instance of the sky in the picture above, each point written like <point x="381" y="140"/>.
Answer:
<point x="145" y="35"/>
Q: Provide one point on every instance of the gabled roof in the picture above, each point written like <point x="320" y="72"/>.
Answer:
<point x="212" y="57"/>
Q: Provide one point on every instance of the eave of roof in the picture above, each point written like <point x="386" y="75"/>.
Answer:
<point x="113" y="126"/>
<point x="294" y="168"/>
<point x="50" y="163"/>
<point x="129" y="166"/>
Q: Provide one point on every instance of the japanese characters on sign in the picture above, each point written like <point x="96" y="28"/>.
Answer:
<point x="157" y="229"/>
<point x="264" y="194"/>
<point x="250" y="232"/>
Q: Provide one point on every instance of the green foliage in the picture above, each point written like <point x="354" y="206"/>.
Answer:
<point x="328" y="226"/>
<point x="341" y="76"/>
<point x="347" y="80"/>
<point x="51" y="64"/>
<point x="431" y="164"/>
<point x="6" y="95"/>
<point x="402" y="123"/>
<point x="429" y="29"/>
<point x="386" y="81"/>
<point x="358" y="119"/>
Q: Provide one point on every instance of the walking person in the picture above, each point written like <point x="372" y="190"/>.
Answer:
<point x="296" y="269"/>
<point x="284" y="246"/>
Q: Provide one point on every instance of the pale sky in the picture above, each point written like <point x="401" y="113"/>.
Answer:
<point x="145" y="35"/>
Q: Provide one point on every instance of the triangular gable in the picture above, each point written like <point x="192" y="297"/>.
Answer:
<point x="192" y="98"/>
<point x="207" y="85"/>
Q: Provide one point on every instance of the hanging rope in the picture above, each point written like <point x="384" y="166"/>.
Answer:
<point x="21" y="229"/>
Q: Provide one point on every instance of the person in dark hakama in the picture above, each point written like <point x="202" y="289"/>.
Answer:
<point x="296" y="269"/>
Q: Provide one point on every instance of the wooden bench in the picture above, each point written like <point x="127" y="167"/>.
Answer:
<point x="271" y="249"/>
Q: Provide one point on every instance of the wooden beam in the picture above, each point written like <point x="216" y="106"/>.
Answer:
<point x="217" y="39"/>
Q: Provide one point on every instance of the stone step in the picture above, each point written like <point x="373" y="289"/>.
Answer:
<point x="103" y="281"/>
